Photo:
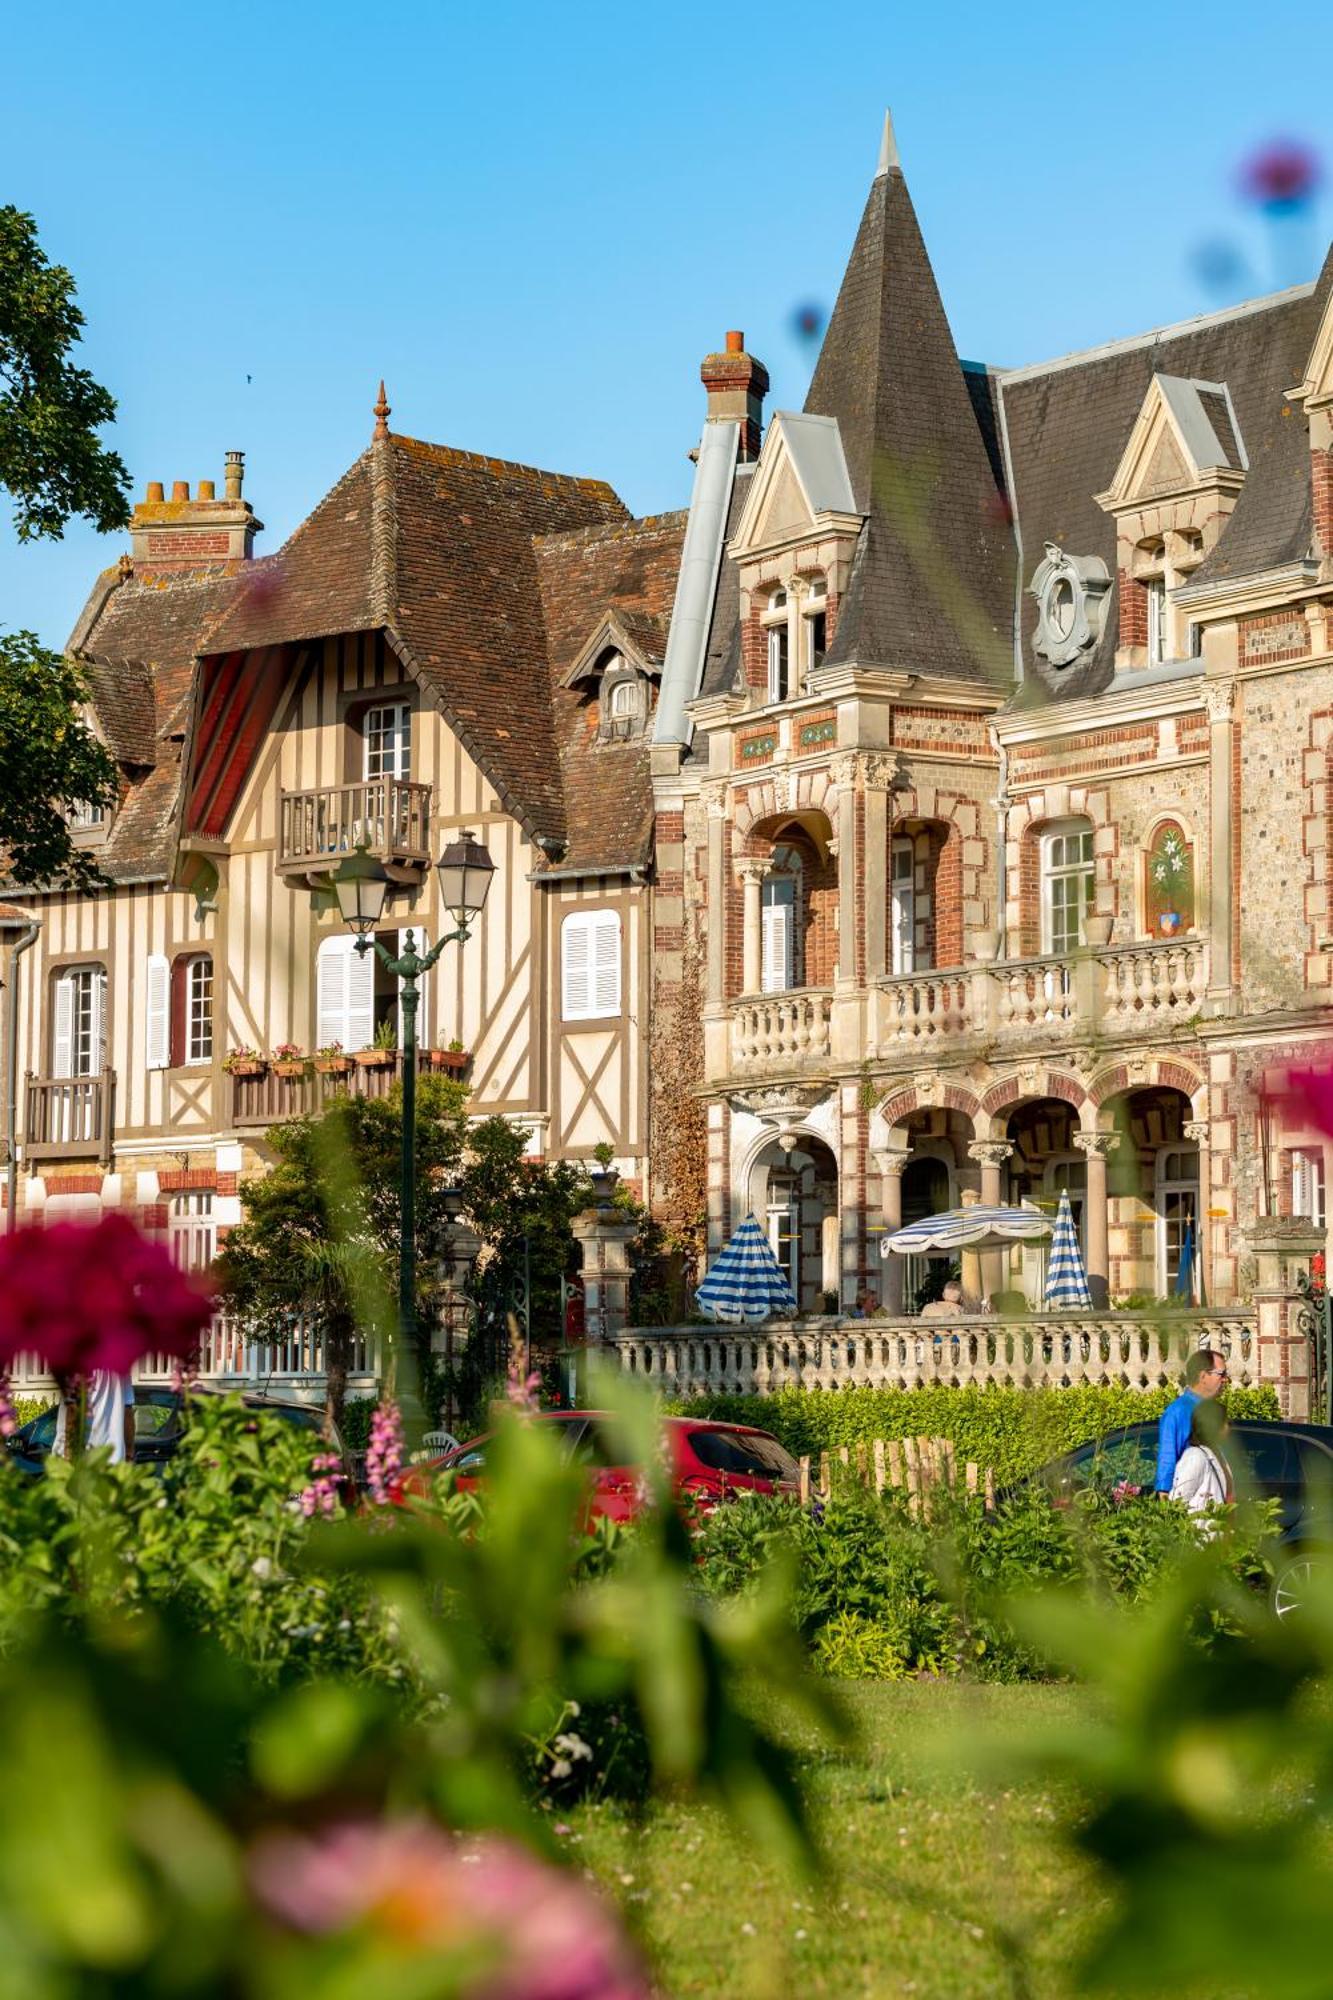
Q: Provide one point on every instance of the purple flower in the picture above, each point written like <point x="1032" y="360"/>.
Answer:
<point x="384" y="1454"/>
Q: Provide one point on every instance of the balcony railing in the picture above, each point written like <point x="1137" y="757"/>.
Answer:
<point x="69" y="1117"/>
<point x="921" y="1010"/>
<point x="1147" y="985"/>
<point x="390" y="816"/>
<point x="269" y="1099"/>
<point x="232" y="1356"/>
<point x="1045" y="1350"/>
<point x="780" y="1028"/>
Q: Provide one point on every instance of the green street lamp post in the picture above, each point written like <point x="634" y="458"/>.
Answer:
<point x="361" y="885"/>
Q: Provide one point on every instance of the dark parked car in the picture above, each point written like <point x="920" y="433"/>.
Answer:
<point x="1287" y="1462"/>
<point x="160" y="1424"/>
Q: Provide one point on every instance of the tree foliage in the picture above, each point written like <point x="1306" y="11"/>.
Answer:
<point x="49" y="760"/>
<point x="52" y="462"/>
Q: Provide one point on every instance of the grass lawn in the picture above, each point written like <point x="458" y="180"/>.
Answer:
<point x="931" y="1872"/>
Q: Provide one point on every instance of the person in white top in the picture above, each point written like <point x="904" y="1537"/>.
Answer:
<point x="1202" y="1476"/>
<point x="110" y="1416"/>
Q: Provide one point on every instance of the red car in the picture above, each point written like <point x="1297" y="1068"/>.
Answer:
<point x="709" y="1462"/>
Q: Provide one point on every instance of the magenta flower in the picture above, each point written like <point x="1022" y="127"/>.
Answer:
<point x="522" y="1391"/>
<point x="82" y="1298"/>
<point x="384" y="1454"/>
<point x="9" y="1422"/>
<point x="538" y="1932"/>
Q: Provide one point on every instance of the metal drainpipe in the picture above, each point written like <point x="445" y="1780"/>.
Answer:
<point x="1002" y="803"/>
<point x="29" y="936"/>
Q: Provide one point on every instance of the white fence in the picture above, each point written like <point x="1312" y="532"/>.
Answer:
<point x="1047" y="1351"/>
<point x="233" y="1358"/>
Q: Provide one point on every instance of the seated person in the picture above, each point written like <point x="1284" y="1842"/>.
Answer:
<point x="950" y="1306"/>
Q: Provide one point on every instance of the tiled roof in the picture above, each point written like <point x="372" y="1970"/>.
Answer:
<point x="931" y="589"/>
<point x="436" y="546"/>
<point x="137" y="640"/>
<point x="630" y="570"/>
<point x="1068" y="425"/>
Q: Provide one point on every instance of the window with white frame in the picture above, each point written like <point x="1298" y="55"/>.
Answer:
<point x="1066" y="886"/>
<point x="777" y="934"/>
<point x="815" y="622"/>
<point x="590" y="965"/>
<point x="387" y="736"/>
<point x="902" y="905"/>
<point x="78" y="1028"/>
<point x="779" y="664"/>
<point x="624" y="701"/>
<point x="1177" y="1206"/>
<point x="1157" y="640"/>
<point x="1307" y="1185"/>
<point x="193" y="1234"/>
<point x="782" y="1215"/>
<point x="199" y="1009"/>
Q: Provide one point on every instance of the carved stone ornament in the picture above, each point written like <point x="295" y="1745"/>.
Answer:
<point x="779" y="1103"/>
<point x="1071" y="604"/>
<point x="1219" y="699"/>
<point x="929" y="1087"/>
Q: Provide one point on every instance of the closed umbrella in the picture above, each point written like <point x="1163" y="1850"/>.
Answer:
<point x="1066" y="1279"/>
<point x="1185" y="1269"/>
<point x="747" y="1283"/>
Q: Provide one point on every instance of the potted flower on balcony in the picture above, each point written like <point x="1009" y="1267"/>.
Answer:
<point x="331" y="1061"/>
<point x="453" y="1060"/>
<point x="1170" y="869"/>
<point x="383" y="1051"/>
<point x="244" y="1062"/>
<point x="289" y="1060"/>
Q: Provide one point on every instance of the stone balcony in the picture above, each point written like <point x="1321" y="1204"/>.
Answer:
<point x="1113" y="994"/>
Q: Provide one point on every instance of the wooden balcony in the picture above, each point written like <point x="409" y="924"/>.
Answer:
<point x="270" y="1099"/>
<point x="69" y="1117"/>
<point x="390" y="816"/>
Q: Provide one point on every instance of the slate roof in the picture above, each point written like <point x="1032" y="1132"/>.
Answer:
<point x="932" y="585"/>
<point x="629" y="569"/>
<point x="1068" y="422"/>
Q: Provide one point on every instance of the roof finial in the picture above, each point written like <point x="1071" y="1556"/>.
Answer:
<point x="888" y="150"/>
<point x="381" y="415"/>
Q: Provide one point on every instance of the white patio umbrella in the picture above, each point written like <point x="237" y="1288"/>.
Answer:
<point x="747" y="1283"/>
<point x="981" y="1227"/>
<point x="1066" y="1279"/>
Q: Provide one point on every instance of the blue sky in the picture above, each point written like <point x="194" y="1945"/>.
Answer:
<point x="534" y="222"/>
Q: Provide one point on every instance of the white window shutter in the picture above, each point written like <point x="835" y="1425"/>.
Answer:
<point x="575" y="969"/>
<point x="777" y="929"/>
<point x="62" y="1030"/>
<point x="97" y="1037"/>
<point x="360" y="1003"/>
<point x="157" y="1007"/>
<point x="606" y="964"/>
<point x="331" y="992"/>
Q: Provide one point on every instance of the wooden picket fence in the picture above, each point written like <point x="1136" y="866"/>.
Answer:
<point x="918" y="1467"/>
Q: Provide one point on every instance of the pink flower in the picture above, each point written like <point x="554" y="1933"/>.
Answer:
<point x="9" y="1422"/>
<point x="83" y="1297"/>
<point x="384" y="1454"/>
<point x="522" y="1391"/>
<point x="535" y="1932"/>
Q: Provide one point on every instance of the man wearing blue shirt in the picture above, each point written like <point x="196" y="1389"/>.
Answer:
<point x="1205" y="1377"/>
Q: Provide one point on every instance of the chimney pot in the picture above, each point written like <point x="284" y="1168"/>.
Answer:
<point x="181" y="490"/>
<point x="155" y="494"/>
<point x="736" y="385"/>
<point x="735" y="343"/>
<point x="206" y="490"/>
<point x="234" y="474"/>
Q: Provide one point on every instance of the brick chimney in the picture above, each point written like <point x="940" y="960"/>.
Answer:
<point x="181" y="533"/>
<point x="736" y="385"/>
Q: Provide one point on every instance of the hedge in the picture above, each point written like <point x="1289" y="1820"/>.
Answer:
<point x="1012" y="1430"/>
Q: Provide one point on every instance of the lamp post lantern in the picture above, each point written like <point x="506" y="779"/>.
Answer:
<point x="465" y="870"/>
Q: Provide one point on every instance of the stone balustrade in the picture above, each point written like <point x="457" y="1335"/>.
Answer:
<point x="1137" y="1350"/>
<point x="1152" y="985"/>
<point x="780" y="1029"/>
<point x="920" y="1010"/>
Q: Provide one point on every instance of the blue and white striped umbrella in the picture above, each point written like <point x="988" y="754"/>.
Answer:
<point x="747" y="1282"/>
<point x="984" y="1226"/>
<point x="1066" y="1279"/>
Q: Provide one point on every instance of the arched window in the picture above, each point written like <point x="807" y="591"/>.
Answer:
<point x="197" y="1023"/>
<point x="1168" y="886"/>
<point x="903" y="904"/>
<point x="1177" y="1206"/>
<point x="624" y="701"/>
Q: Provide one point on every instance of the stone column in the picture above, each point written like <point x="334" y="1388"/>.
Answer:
<point x="1097" y="1148"/>
<point x="990" y="1155"/>
<point x="1220" y="697"/>
<point x="752" y="875"/>
<point x="877" y="884"/>
<point x="717" y="904"/>
<point x="845" y="830"/>
<point x="604" y="1236"/>
<point x="891" y="1162"/>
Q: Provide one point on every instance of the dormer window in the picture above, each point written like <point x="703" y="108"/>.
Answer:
<point x="778" y="626"/>
<point x="624" y="698"/>
<point x="815" y="623"/>
<point x="387" y="736"/>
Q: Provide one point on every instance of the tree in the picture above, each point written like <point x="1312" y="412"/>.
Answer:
<point x="52" y="461"/>
<point x="53" y="464"/>
<point x="49" y="760"/>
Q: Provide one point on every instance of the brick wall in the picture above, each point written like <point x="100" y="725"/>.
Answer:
<point x="1321" y="484"/>
<point x="1133" y="611"/>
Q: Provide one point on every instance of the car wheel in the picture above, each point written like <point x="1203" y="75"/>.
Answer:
<point x="1292" y="1584"/>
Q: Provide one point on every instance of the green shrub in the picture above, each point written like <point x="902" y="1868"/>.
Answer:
<point x="355" y="1425"/>
<point x="1011" y="1430"/>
